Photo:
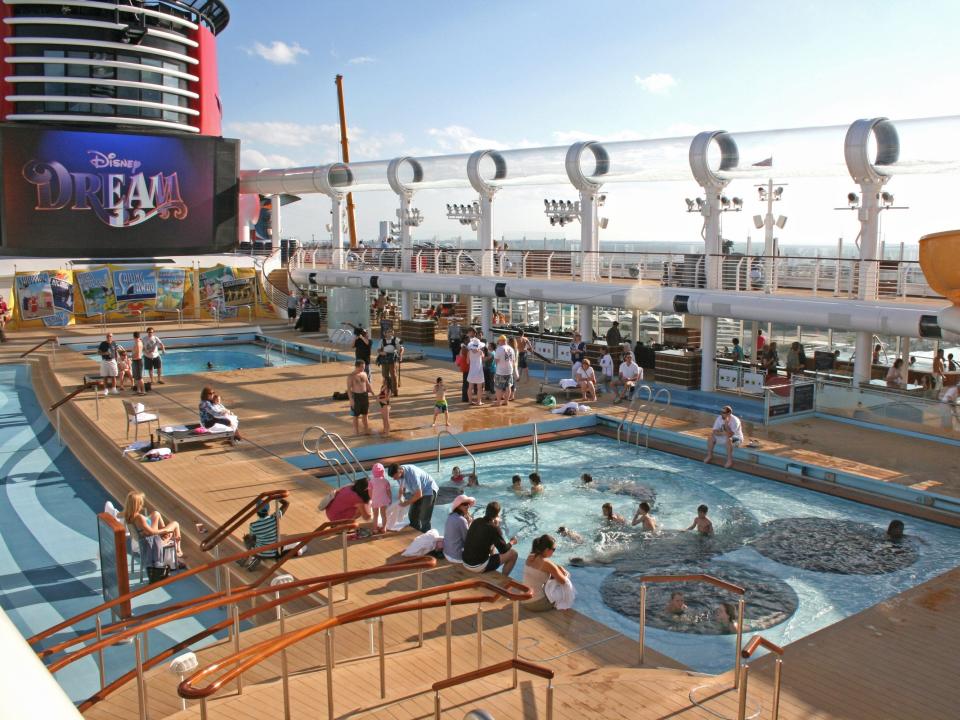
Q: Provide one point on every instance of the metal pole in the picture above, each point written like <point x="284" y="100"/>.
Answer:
<point x="59" y="436"/>
<point x="643" y="616"/>
<point x="346" y="585"/>
<point x="284" y="669"/>
<point x="236" y="643"/>
<point x="328" y="645"/>
<point x="203" y="709"/>
<point x="141" y="685"/>
<point x="449" y="639"/>
<point x="420" y="609"/>
<point x="742" y="704"/>
<point x="479" y="636"/>
<point x="216" y="556"/>
<point x="331" y="660"/>
<point x="436" y="705"/>
<point x="775" y="702"/>
<point x="383" y="660"/>
<point x="516" y="638"/>
<point x="736" y="670"/>
<point x="100" y="653"/>
<point x="550" y="700"/>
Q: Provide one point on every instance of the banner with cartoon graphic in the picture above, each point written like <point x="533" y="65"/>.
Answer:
<point x="239" y="292"/>
<point x="211" y="282"/>
<point x="96" y="289"/>
<point x="34" y="295"/>
<point x="135" y="288"/>
<point x="171" y="287"/>
<point x="61" y="283"/>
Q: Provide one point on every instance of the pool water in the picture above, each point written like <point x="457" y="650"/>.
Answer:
<point x="829" y="561"/>
<point x="49" y="553"/>
<point x="194" y="360"/>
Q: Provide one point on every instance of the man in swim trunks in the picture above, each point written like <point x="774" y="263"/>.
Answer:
<point x="359" y="389"/>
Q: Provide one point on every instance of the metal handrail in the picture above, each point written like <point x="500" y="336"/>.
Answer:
<point x="631" y="412"/>
<point x="535" y="449"/>
<point x="298" y="541"/>
<point x="347" y="456"/>
<point x="456" y="440"/>
<point x="240" y="517"/>
<point x="232" y="667"/>
<point x="294" y="589"/>
<point x="51" y="339"/>
<point x="710" y="580"/>
<point x="71" y="395"/>
<point x="514" y="664"/>
<point x="657" y="411"/>
<point x="756" y="642"/>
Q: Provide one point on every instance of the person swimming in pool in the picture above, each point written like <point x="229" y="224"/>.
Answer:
<point x="702" y="523"/>
<point x="571" y="535"/>
<point x="676" y="605"/>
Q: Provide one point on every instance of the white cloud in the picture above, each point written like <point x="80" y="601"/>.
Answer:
<point x="457" y="138"/>
<point x="284" y="134"/>
<point x="656" y="83"/>
<point x="361" y="60"/>
<point x="252" y="159"/>
<point x="278" y="52"/>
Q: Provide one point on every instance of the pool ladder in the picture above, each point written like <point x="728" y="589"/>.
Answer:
<point x="283" y="353"/>
<point x="342" y="461"/>
<point x="457" y="441"/>
<point x="652" y="408"/>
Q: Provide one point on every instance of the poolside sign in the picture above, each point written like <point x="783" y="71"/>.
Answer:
<point x="34" y="295"/>
<point x="171" y="285"/>
<point x="135" y="285"/>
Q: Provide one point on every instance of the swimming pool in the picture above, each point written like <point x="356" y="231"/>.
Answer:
<point x="49" y="560"/>
<point x="217" y="358"/>
<point x="806" y="559"/>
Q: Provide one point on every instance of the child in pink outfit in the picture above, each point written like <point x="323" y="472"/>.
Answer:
<point x="380" y="497"/>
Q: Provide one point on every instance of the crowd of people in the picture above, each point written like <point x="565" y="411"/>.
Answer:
<point x="117" y="364"/>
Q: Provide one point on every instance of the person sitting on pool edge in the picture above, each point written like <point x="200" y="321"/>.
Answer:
<point x="483" y="535"/>
<point x="727" y="427"/>
<point x="213" y="412"/>
<point x="538" y="570"/>
<point x="265" y="530"/>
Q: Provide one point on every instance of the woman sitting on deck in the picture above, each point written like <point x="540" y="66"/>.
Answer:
<point x="213" y="412"/>
<point x="549" y="581"/>
<point x="145" y="525"/>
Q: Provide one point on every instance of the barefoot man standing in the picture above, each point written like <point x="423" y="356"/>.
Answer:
<point x="726" y="428"/>
<point x="359" y="389"/>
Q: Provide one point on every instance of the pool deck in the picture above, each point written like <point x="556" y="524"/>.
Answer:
<point x="899" y="654"/>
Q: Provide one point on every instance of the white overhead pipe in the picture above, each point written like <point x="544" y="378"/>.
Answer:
<point x="875" y="316"/>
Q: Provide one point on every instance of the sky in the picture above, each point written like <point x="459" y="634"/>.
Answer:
<point x="427" y="78"/>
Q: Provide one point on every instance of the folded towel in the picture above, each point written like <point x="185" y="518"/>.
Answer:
<point x="175" y="428"/>
<point x="561" y="594"/>
<point x="220" y="428"/>
<point x="423" y="544"/>
<point x="139" y="407"/>
<point x="568" y="383"/>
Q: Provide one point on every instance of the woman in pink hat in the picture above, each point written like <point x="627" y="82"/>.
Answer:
<point x="380" y="497"/>
<point x="455" y="530"/>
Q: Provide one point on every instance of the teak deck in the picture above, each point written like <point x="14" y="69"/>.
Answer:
<point x="896" y="659"/>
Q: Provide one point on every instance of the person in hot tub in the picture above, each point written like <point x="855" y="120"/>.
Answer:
<point x="213" y="412"/>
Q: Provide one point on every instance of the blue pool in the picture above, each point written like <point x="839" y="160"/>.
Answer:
<point x="49" y="563"/>
<point x="806" y="559"/>
<point x="191" y="360"/>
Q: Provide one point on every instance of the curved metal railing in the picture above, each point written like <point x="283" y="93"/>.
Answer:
<point x="344" y="465"/>
<point x="240" y="517"/>
<point x="464" y="447"/>
<point x="756" y="642"/>
<point x="232" y="667"/>
<point x="514" y="664"/>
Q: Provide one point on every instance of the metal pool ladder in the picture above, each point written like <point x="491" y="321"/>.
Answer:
<point x="456" y="440"/>
<point x="283" y="352"/>
<point x="344" y="462"/>
<point x="654" y="408"/>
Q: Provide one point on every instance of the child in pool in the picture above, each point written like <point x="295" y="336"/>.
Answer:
<point x="702" y="523"/>
<point x="643" y="517"/>
<point x="610" y="516"/>
<point x="517" y="484"/>
<point x="456" y="475"/>
<point x="440" y="404"/>
<point x="472" y="480"/>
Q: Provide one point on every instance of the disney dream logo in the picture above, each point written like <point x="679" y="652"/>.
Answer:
<point x="121" y="197"/>
<point x="110" y="160"/>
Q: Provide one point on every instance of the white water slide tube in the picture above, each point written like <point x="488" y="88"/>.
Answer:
<point x="877" y="316"/>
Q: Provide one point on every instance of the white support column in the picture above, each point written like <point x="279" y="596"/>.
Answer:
<point x="406" y="254"/>
<point x="712" y="265"/>
<point x="336" y="231"/>
<point x="589" y="255"/>
<point x="275" y="220"/>
<point x="485" y="234"/>
<point x="905" y="354"/>
<point x="869" y="216"/>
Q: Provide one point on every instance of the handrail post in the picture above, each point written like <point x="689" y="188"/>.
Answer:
<point x="141" y="685"/>
<point x="516" y="638"/>
<point x="59" y="435"/>
<point x="742" y="702"/>
<point x="775" y="702"/>
<point x="236" y="643"/>
<point x="419" y="609"/>
<point x="103" y="679"/>
<point x="449" y="628"/>
<point x="346" y="585"/>
<point x="643" y="617"/>
<point x="331" y="660"/>
<point x="736" y="671"/>
<point x="550" y="699"/>
<point x="203" y="709"/>
<point x="436" y="705"/>
<point x="284" y="668"/>
<point x="479" y="636"/>
<point x="383" y="660"/>
<point x="328" y="646"/>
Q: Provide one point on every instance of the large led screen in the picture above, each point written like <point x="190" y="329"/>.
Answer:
<point x="69" y="193"/>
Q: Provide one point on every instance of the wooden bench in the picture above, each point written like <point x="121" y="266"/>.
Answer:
<point x="554" y="389"/>
<point x="176" y="438"/>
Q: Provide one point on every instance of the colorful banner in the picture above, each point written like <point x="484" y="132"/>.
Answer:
<point x="211" y="282"/>
<point x="96" y="288"/>
<point x="135" y="285"/>
<point x="62" y="285"/>
<point x="34" y="296"/>
<point x="171" y="287"/>
<point x="237" y="293"/>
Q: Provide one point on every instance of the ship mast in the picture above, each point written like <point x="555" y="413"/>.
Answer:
<point x="351" y="219"/>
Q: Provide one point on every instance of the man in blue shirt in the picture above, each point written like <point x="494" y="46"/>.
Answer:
<point x="418" y="491"/>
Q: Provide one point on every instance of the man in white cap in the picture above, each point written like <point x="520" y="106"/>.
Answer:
<point x="455" y="530"/>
